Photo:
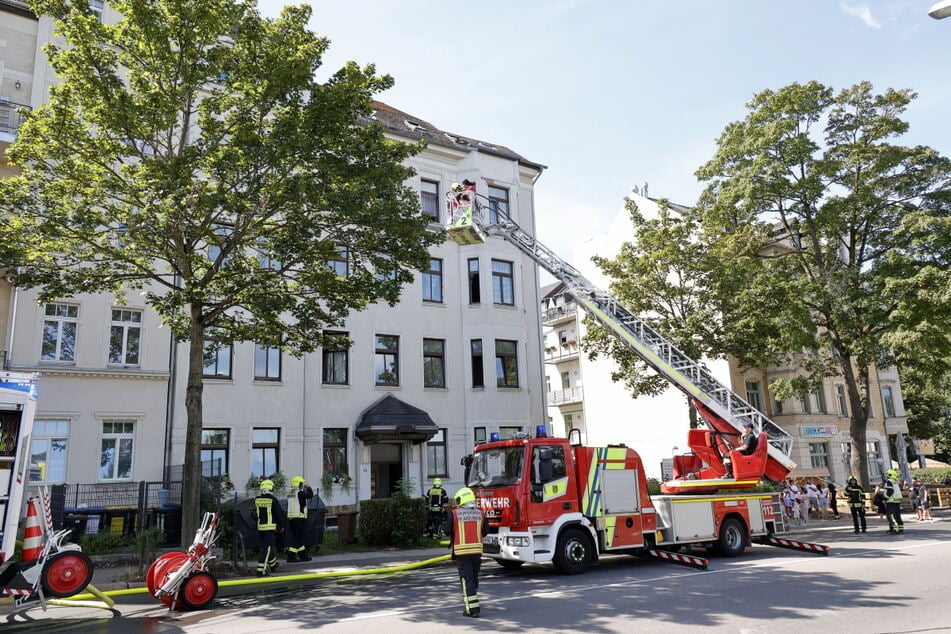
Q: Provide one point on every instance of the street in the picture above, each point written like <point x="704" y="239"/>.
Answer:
<point x="869" y="583"/>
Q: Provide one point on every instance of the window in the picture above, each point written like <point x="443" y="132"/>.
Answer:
<point x="336" y="360"/>
<point x="434" y="363"/>
<point x="387" y="361"/>
<point x="820" y="397"/>
<point x="888" y="401"/>
<point x="873" y="452"/>
<point x="222" y="236"/>
<point x="125" y="335"/>
<point x="335" y="453"/>
<point x="59" y="332"/>
<point x="563" y="337"/>
<point x="115" y="459"/>
<point x="804" y="404"/>
<point x="340" y="263"/>
<point x="265" y="451"/>
<point x="97" y="7"/>
<point x="478" y="435"/>
<point x="215" y="447"/>
<point x="752" y="394"/>
<point x="267" y="363"/>
<point x="436" y="457"/>
<point x="503" y="283"/>
<point x="432" y="281"/>
<point x="777" y="406"/>
<point x="498" y="202"/>
<point x="266" y="259"/>
<point x="841" y="403"/>
<point x="217" y="358"/>
<point x="48" y="446"/>
<point x="558" y="470"/>
<point x="819" y="455"/>
<point x="475" y="296"/>
<point x="506" y="363"/>
<point x="565" y="381"/>
<point x="478" y="379"/>
<point x="505" y="433"/>
<point x="569" y="423"/>
<point x="429" y="198"/>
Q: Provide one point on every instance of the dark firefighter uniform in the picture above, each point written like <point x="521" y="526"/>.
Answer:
<point x="297" y="499"/>
<point x="466" y="526"/>
<point x="270" y="519"/>
<point x="893" y="503"/>
<point x="856" y="495"/>
<point x="436" y="500"/>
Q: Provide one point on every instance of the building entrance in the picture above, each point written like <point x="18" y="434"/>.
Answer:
<point x="386" y="468"/>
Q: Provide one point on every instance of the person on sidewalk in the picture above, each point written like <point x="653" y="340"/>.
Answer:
<point x="878" y="500"/>
<point x="893" y="503"/>
<point x="856" y="495"/>
<point x="297" y="499"/>
<point x="466" y="526"/>
<point x="270" y="519"/>
<point x="436" y="499"/>
<point x="833" y="501"/>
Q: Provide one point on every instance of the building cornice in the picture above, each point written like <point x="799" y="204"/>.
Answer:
<point x="93" y="373"/>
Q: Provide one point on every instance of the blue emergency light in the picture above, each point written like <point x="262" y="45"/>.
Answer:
<point x="495" y="437"/>
<point x="541" y="431"/>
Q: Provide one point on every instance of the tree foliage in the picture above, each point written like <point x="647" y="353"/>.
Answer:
<point x="189" y="152"/>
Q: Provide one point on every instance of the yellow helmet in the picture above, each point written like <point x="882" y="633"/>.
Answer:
<point x="296" y="481"/>
<point x="437" y="482"/>
<point x="891" y="473"/>
<point x="266" y="485"/>
<point x="464" y="496"/>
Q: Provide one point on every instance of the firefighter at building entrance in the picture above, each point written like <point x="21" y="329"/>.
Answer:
<point x="856" y="495"/>
<point x="270" y="519"/>
<point x="466" y="526"/>
<point x="437" y="498"/>
<point x="297" y="499"/>
<point x="893" y="503"/>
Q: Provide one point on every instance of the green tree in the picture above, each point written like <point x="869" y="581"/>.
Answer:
<point x="189" y="152"/>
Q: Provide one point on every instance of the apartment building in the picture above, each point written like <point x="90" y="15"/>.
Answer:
<point x="458" y="358"/>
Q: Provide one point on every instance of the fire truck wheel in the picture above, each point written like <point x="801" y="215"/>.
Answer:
<point x="574" y="552"/>
<point x="732" y="541"/>
<point x="510" y="564"/>
<point x="199" y="591"/>
<point x="66" y="573"/>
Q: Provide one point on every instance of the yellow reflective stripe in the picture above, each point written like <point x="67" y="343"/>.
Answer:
<point x="615" y="458"/>
<point x="724" y="499"/>
<point x="555" y="489"/>
<point x="609" y="523"/>
<point x="264" y="503"/>
<point x="705" y="483"/>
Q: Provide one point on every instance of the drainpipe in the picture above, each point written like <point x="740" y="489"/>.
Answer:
<point x="14" y="297"/>
<point x="170" y="400"/>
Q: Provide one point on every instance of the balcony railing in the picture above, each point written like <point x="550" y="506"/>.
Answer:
<point x="10" y="117"/>
<point x="562" y="352"/>
<point x="566" y="397"/>
<point x="561" y="312"/>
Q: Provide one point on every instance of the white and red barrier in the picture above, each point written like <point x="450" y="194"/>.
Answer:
<point x="678" y="558"/>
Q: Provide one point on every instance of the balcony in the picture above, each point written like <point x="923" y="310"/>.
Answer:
<point x="563" y="352"/>
<point x="560" y="313"/>
<point x="10" y="119"/>
<point x="569" y="396"/>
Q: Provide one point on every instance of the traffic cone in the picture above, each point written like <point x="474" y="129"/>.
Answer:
<point x="32" y="534"/>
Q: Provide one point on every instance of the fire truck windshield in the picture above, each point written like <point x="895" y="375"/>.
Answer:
<point x="497" y="467"/>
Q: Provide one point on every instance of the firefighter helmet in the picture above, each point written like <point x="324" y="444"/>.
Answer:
<point x="852" y="479"/>
<point x="437" y="482"/>
<point x="266" y="485"/>
<point x="296" y="481"/>
<point x="464" y="496"/>
<point x="891" y="473"/>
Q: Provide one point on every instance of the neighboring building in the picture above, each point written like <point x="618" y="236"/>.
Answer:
<point x="457" y="359"/>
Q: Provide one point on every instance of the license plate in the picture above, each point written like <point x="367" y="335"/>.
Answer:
<point x="491" y="540"/>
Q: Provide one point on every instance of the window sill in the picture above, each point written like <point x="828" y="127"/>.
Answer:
<point x="429" y="303"/>
<point x="262" y="381"/>
<point x="335" y="386"/>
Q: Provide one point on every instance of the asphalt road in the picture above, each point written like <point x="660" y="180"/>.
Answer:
<point x="869" y="583"/>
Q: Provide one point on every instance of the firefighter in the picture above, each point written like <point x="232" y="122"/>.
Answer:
<point x="297" y="499"/>
<point x="893" y="503"/>
<point x="748" y="442"/>
<point x="856" y="495"/>
<point x="466" y="526"/>
<point x="437" y="498"/>
<point x="270" y="519"/>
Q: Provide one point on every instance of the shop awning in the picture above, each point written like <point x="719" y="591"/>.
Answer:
<point x="390" y="419"/>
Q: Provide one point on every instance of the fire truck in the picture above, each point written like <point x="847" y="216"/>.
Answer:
<point x="555" y="500"/>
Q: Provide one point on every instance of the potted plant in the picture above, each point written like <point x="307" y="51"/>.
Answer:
<point x="253" y="484"/>
<point x="326" y="485"/>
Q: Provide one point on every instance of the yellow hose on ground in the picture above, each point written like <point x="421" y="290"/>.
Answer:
<point x="270" y="580"/>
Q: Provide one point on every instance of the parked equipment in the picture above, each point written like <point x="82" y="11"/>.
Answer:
<point x="182" y="580"/>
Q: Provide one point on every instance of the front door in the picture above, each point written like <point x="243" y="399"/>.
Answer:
<point x="386" y="468"/>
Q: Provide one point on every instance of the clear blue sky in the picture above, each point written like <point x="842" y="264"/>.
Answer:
<point x="614" y="93"/>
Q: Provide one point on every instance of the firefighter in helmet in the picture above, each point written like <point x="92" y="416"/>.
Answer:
<point x="270" y="521"/>
<point x="893" y="503"/>
<point x="466" y="526"/>
<point x="297" y="499"/>
<point x="436" y="499"/>
<point x="856" y="495"/>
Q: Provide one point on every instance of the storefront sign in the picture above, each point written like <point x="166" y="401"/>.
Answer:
<point x="818" y="431"/>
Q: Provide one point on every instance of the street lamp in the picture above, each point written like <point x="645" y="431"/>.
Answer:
<point x="940" y="10"/>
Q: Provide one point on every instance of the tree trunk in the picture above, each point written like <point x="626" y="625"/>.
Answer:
<point x="191" y="476"/>
<point x="858" y="421"/>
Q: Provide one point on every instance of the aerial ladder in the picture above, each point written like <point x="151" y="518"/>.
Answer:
<point x="473" y="218"/>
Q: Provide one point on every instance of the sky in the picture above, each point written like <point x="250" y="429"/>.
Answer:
<point x="609" y="94"/>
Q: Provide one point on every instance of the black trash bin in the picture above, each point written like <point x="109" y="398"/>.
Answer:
<point x="77" y="524"/>
<point x="316" y="522"/>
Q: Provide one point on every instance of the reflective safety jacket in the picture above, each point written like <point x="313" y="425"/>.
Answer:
<point x="437" y="499"/>
<point x="467" y="530"/>
<point x="268" y="512"/>
<point x="856" y="495"/>
<point x="297" y="502"/>
<point x="892" y="491"/>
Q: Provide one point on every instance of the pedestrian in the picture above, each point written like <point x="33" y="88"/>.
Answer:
<point x="297" y="499"/>
<point x="812" y="495"/>
<point x="437" y="498"/>
<point x="270" y="521"/>
<point x="856" y="496"/>
<point x="913" y="496"/>
<point x="892" y="493"/>
<point x="833" y="502"/>
<point x="878" y="499"/>
<point x="466" y="526"/>
<point x="924" y="499"/>
<point x="824" y="502"/>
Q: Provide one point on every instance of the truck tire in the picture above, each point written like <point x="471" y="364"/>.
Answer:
<point x="510" y="564"/>
<point x="732" y="539"/>
<point x="574" y="552"/>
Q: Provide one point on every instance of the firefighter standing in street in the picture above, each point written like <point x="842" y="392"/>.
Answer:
<point x="856" y="495"/>
<point x="270" y="519"/>
<point x="893" y="503"/>
<point x="297" y="499"/>
<point x="466" y="526"/>
<point x="437" y="498"/>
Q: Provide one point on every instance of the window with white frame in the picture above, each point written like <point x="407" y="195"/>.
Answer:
<point x="115" y="457"/>
<point x="840" y="400"/>
<point x="753" y="395"/>
<point x="97" y="7"/>
<point x="819" y="455"/>
<point x="569" y="423"/>
<point x="429" y="199"/>
<point x="888" y="400"/>
<point x="335" y="357"/>
<point x="265" y="451"/>
<point x="125" y="336"/>
<point x="565" y="380"/>
<point x="507" y="432"/>
<point x="267" y="362"/>
<point x="820" y="397"/>
<point x="215" y="451"/>
<point x="503" y="283"/>
<point x="434" y="363"/>
<point x="432" y="281"/>
<point x="216" y="358"/>
<point x="387" y="360"/>
<point x="478" y="435"/>
<point x="498" y="202"/>
<point x="59" y="332"/>
<point x="48" y="448"/>
<point x="437" y="461"/>
<point x="335" y="454"/>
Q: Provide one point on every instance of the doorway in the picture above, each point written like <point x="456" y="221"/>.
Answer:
<point x="386" y="468"/>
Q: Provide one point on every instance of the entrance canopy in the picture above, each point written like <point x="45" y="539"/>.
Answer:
<point x="390" y="419"/>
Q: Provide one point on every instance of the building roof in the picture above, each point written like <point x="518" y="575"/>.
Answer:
<point x="390" y="419"/>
